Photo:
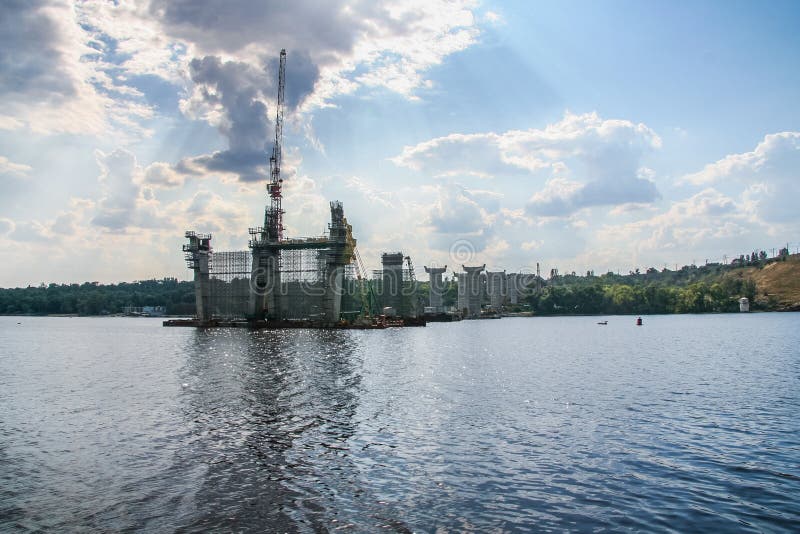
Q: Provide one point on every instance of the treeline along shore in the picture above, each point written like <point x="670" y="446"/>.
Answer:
<point x="769" y="284"/>
<point x="93" y="298"/>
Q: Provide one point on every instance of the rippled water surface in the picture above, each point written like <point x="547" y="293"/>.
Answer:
<point x="689" y="423"/>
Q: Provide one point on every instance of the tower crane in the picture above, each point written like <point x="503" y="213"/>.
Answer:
<point x="273" y="219"/>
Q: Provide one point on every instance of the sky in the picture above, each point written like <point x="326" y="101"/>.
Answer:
<point x="596" y="135"/>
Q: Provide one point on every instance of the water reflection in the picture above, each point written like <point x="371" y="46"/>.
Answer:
<point x="273" y="413"/>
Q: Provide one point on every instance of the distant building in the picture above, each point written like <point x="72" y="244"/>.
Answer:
<point x="744" y="304"/>
<point x="145" y="311"/>
<point x="519" y="285"/>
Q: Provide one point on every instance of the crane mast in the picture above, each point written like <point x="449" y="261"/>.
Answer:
<point x="273" y="223"/>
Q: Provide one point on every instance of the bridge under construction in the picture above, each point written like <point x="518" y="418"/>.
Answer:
<point x="321" y="281"/>
<point x="293" y="282"/>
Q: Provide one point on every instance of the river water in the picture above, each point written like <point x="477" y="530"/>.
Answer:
<point x="687" y="423"/>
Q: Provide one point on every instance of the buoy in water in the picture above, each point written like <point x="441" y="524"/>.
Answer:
<point x="638" y="321"/>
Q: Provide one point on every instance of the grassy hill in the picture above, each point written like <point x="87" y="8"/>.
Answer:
<point x="777" y="283"/>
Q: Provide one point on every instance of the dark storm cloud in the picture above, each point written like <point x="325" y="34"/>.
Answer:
<point x="249" y="166"/>
<point x="232" y="25"/>
<point x="301" y="75"/>
<point x="239" y="90"/>
<point x="236" y="87"/>
<point x="31" y="58"/>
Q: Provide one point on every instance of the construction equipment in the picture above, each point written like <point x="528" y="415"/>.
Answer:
<point x="415" y="302"/>
<point x="411" y="274"/>
<point x="368" y="300"/>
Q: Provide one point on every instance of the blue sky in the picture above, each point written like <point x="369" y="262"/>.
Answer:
<point x="579" y="135"/>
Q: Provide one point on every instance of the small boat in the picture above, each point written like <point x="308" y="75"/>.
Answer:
<point x="602" y="322"/>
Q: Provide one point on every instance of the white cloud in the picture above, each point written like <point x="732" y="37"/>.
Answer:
<point x="54" y="79"/>
<point x="119" y="181"/>
<point x="373" y="194"/>
<point x="350" y="44"/>
<point x="591" y="161"/>
<point x="82" y="59"/>
<point x="457" y="211"/>
<point x="770" y="175"/>
<point x="310" y="208"/>
<point x="493" y="17"/>
<point x="6" y="226"/>
<point x="10" y="123"/>
<point x="338" y="48"/>
<point x="135" y="37"/>
<point x="30" y="231"/>
<point x="124" y="202"/>
<point x="162" y="174"/>
<point x="66" y="223"/>
<point x="706" y="221"/>
<point x="466" y="155"/>
<point x="406" y="40"/>
<point x="556" y="198"/>
<point x="8" y="167"/>
<point x="210" y="212"/>
<point x="532" y="244"/>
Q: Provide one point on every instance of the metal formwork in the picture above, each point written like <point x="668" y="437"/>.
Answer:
<point x="394" y="285"/>
<point x="302" y="265"/>
<point x="302" y="275"/>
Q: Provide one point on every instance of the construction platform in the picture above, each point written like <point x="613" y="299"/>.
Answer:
<point x="441" y="317"/>
<point x="376" y="324"/>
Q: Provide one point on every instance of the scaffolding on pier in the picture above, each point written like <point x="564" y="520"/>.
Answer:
<point x="229" y="275"/>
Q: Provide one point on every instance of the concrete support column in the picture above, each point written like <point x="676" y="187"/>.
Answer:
<point x="392" y="282"/>
<point x="265" y="285"/>
<point x="472" y="289"/>
<point x="202" y="289"/>
<point x="332" y="300"/>
<point x="497" y="288"/>
<point x="198" y="256"/>
<point x="436" y="287"/>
